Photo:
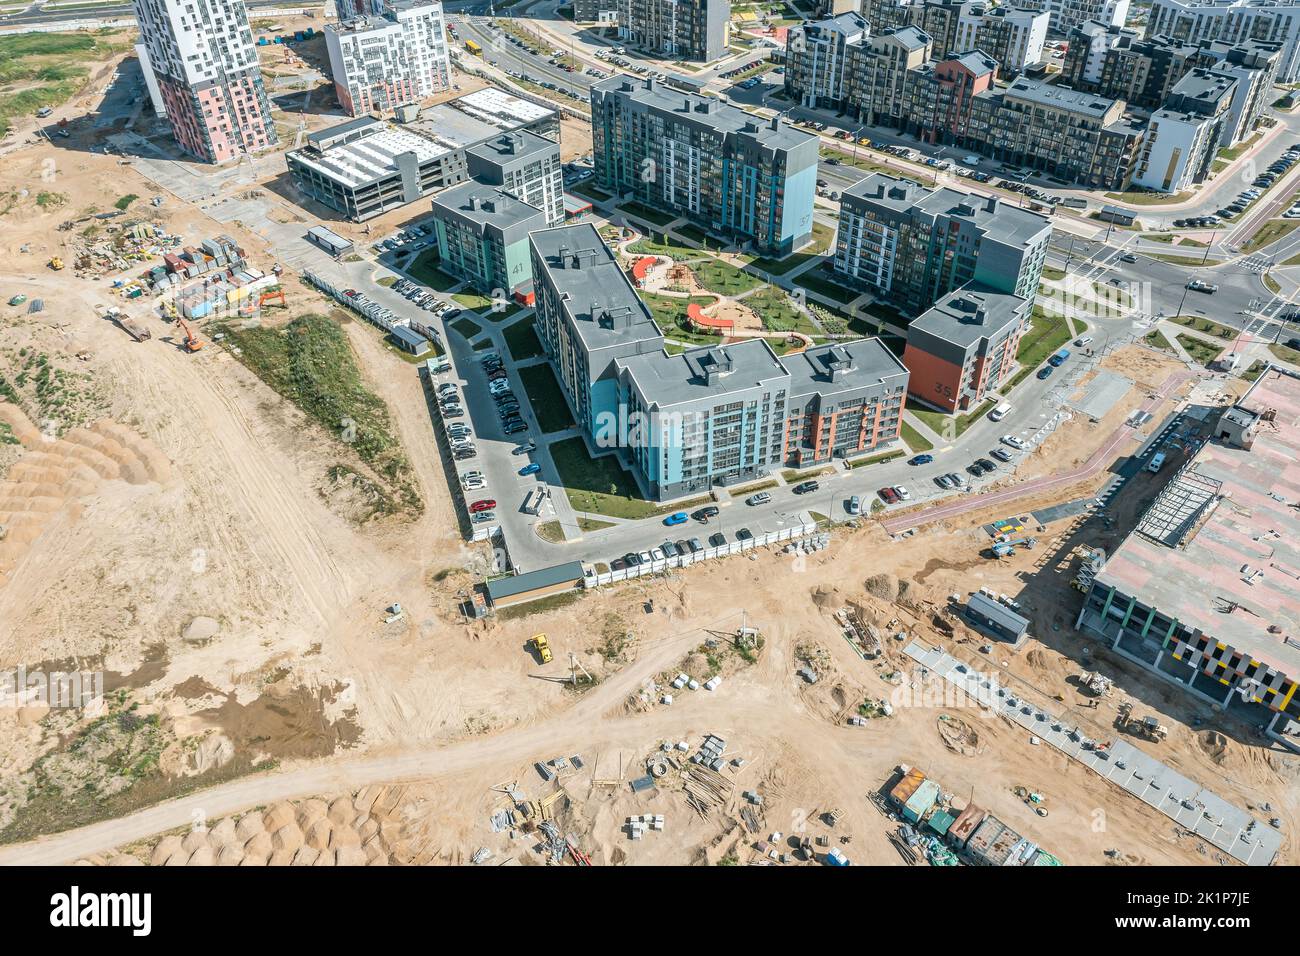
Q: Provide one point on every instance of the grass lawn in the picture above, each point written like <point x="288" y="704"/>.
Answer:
<point x="1184" y="260"/>
<point x="1231" y="153"/>
<point x="1255" y="371"/>
<point x="590" y="191"/>
<point x="47" y="69"/>
<point x="1272" y="231"/>
<point x="658" y="246"/>
<point x="473" y="301"/>
<point x="1198" y="324"/>
<point x="1046" y="334"/>
<point x="826" y="287"/>
<point x="1051" y="272"/>
<point x="646" y="213"/>
<point x="723" y="278"/>
<point x="510" y="311"/>
<point x="467" y="328"/>
<point x="1198" y="349"/>
<point x="425" y="271"/>
<point x="915" y="440"/>
<point x="545" y="397"/>
<point x="822" y="237"/>
<point x="1142" y="198"/>
<point x="948" y="426"/>
<point x="1285" y="354"/>
<point x="694" y="234"/>
<point x="670" y="313"/>
<point x="1156" y="339"/>
<point x="550" y="531"/>
<point x="599" y="485"/>
<point x="521" y="338"/>
<point x="592" y="524"/>
<point x="777" y="313"/>
<point x="1270" y="283"/>
<point x="794" y="477"/>
<point x="877" y="459"/>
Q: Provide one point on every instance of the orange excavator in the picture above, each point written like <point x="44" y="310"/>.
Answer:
<point x="272" y="295"/>
<point x="192" y="342"/>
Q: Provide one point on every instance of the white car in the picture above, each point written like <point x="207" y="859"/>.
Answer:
<point x="1012" y="440"/>
<point x="902" y="492"/>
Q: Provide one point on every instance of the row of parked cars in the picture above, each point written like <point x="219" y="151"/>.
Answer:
<point x="424" y="298"/>
<point x="508" y="406"/>
<point x="672" y="549"/>
<point x="414" y="237"/>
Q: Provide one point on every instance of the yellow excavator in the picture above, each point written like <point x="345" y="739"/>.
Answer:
<point x="56" y="263"/>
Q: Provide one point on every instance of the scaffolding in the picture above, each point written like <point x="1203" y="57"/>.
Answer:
<point x="1177" y="510"/>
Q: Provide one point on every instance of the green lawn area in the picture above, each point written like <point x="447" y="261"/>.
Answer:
<point x="425" y="271"/>
<point x="1156" y="339"/>
<point x="1285" y="354"/>
<point x="948" y="426"/>
<point x="1046" y="334"/>
<point x="1144" y="198"/>
<point x="590" y="191"/>
<point x="876" y="459"/>
<point x="1198" y="324"/>
<point x="694" y="234"/>
<point x="646" y="213"/>
<point x="822" y="237"/>
<point x="777" y="313"/>
<point x="658" y="245"/>
<point x="670" y="313"/>
<point x="473" y="301"/>
<point x="599" y="485"/>
<point x="915" y="440"/>
<point x="1184" y="260"/>
<point x="793" y="477"/>
<point x="545" y="397"/>
<point x="1255" y="371"/>
<point x="467" y="328"/>
<point x="511" y="310"/>
<point x="1272" y="231"/>
<point x="521" y="338"/>
<point x="813" y="282"/>
<point x="1231" y="153"/>
<point x="723" y="278"/>
<point x="1198" y="349"/>
<point x="1270" y="283"/>
<point x="1053" y="273"/>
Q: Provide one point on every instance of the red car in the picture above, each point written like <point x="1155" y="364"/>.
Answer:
<point x="888" y="495"/>
<point x="486" y="504"/>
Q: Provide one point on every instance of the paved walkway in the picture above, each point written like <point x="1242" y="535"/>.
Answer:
<point x="1094" y="464"/>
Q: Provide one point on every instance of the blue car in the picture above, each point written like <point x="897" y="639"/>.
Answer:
<point x="679" y="518"/>
<point x="921" y="460"/>
<point x="531" y="468"/>
<point x="1045" y="371"/>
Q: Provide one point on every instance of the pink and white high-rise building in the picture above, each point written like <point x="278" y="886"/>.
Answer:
<point x="389" y="58"/>
<point x="204" y="61"/>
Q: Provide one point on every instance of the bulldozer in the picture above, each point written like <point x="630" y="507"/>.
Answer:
<point x="56" y="263"/>
<point x="542" y="646"/>
<point x="1148" y="727"/>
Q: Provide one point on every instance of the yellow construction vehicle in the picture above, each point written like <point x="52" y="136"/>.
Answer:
<point x="56" y="263"/>
<point x="542" y="647"/>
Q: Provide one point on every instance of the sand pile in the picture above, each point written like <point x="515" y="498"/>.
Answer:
<point x="52" y="473"/>
<point x="362" y="829"/>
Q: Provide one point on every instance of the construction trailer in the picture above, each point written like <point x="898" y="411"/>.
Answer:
<point x="991" y="617"/>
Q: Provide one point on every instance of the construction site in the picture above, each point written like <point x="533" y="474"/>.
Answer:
<point x="278" y="579"/>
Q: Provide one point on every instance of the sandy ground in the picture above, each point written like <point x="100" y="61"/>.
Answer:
<point x="170" y="526"/>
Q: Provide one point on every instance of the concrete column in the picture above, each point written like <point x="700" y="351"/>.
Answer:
<point x="1228" y="696"/>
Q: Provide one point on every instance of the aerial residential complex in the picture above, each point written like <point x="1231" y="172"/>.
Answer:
<point x="1184" y="135"/>
<point x="911" y="245"/>
<point x="711" y="415"/>
<point x="1067" y="14"/>
<point x="482" y="234"/>
<point x="1203" y="591"/>
<point x="367" y="166"/>
<point x="674" y="29"/>
<point x="1015" y="38"/>
<point x="204" y="64"/>
<point x="1233" y="21"/>
<point x="386" y="60"/>
<point x="747" y="179"/>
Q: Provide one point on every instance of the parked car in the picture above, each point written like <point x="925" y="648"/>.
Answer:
<point x="921" y="460"/>
<point x="523" y="449"/>
<point x="888" y="495"/>
<point x="854" y="505"/>
<point x="761" y="498"/>
<point x="943" y="481"/>
<point x="1013" y="441"/>
<point x="985" y="465"/>
<point x="805" y="487"/>
<point x="704" y="514"/>
<point x="482" y="517"/>
<point x="677" y="517"/>
<point x="1001" y="454"/>
<point x="484" y="504"/>
<point x="1045" y="371"/>
<point x="717" y="539"/>
<point x="531" y="468"/>
<point x="902" y="492"/>
<point x="744" y="534"/>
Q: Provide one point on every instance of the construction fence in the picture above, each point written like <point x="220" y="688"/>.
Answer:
<point x="806" y="529"/>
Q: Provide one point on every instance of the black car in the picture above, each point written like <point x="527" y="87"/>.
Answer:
<point x="985" y="464"/>
<point x="744" y="534"/>
<point x="806" y="487"/>
<point x="1001" y="454"/>
<point x="516" y="429"/>
<point x="631" y="559"/>
<point x="975" y="469"/>
<point x="1293" y="344"/>
<point x="943" y="481"/>
<point x="669" y="549"/>
<point x="694" y="545"/>
<point x="717" y="539"/>
<point x="704" y="514"/>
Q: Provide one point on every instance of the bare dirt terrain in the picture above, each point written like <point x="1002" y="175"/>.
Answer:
<point x="171" y="524"/>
